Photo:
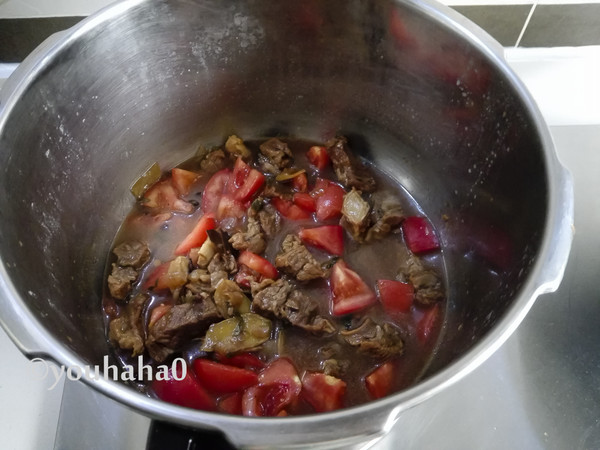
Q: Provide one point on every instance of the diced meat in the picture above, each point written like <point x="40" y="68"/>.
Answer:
<point x="236" y="147"/>
<point x="220" y="267"/>
<point x="275" y="156"/>
<point x="381" y="341"/>
<point x="214" y="161"/>
<point x="120" y="281"/>
<point x="296" y="260"/>
<point x="198" y="287"/>
<point x="282" y="300"/>
<point x="179" y="325"/>
<point x="269" y="220"/>
<point x="252" y="239"/>
<point x="355" y="215"/>
<point x="335" y="367"/>
<point x="132" y="254"/>
<point x="349" y="171"/>
<point x="386" y="215"/>
<point x="127" y="330"/>
<point x="427" y="283"/>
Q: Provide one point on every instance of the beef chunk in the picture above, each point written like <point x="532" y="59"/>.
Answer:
<point x="198" y="287"/>
<point x="214" y="161"/>
<point x="120" y="281"/>
<point x="275" y="156"/>
<point x="127" y="330"/>
<point x="132" y="254"/>
<point x="220" y="267"/>
<point x="269" y="220"/>
<point x="380" y="341"/>
<point x="427" y="283"/>
<point x="179" y="325"/>
<point x="386" y="215"/>
<point x="283" y="301"/>
<point x="335" y="367"/>
<point x="349" y="170"/>
<point x="236" y="147"/>
<point x="296" y="260"/>
<point x="252" y="239"/>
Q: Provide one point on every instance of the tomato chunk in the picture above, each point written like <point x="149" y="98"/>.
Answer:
<point x="231" y="404"/>
<point x="318" y="156"/>
<point x="244" y="181"/>
<point x="157" y="279"/>
<point x="183" y="179"/>
<point x="221" y="377"/>
<point x="349" y="291"/>
<point x="158" y="312"/>
<point x="258" y="264"/>
<point x="328" y="237"/>
<point x="395" y="295"/>
<point x="300" y="183"/>
<point x="305" y="201"/>
<point x="289" y="210"/>
<point x="329" y="199"/>
<point x="279" y="386"/>
<point x="243" y="360"/>
<point x="419" y="235"/>
<point x="323" y="392"/>
<point x="198" y="235"/>
<point x="427" y="326"/>
<point x="379" y="382"/>
<point x="186" y="392"/>
<point x="213" y="191"/>
<point x="163" y="195"/>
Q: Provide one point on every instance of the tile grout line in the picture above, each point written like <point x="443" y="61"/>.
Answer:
<point x="526" y="23"/>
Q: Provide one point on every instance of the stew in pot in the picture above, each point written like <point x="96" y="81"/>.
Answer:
<point x="292" y="277"/>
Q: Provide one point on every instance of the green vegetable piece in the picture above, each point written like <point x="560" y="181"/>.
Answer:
<point x="241" y="333"/>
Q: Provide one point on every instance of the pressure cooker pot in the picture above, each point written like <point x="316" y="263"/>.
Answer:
<point x="422" y="94"/>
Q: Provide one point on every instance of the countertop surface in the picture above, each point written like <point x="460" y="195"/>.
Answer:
<point x="540" y="390"/>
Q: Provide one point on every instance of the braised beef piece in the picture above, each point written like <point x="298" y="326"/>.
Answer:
<point x="282" y="300"/>
<point x="127" y="330"/>
<point x="426" y="282"/>
<point x="330" y="362"/>
<point x="295" y="260"/>
<point x="178" y="326"/>
<point x="198" y="287"/>
<point x="132" y="254"/>
<point x="236" y="148"/>
<point x="386" y="215"/>
<point x="379" y="341"/>
<point x="214" y="161"/>
<point x="252" y="238"/>
<point x="121" y="280"/>
<point x="269" y="220"/>
<point x="348" y="169"/>
<point x="275" y="156"/>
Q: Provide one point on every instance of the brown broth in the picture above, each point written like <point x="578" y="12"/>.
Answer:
<point x="379" y="260"/>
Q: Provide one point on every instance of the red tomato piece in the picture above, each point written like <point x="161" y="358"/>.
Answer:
<point x="213" y="191"/>
<point x="318" y="156"/>
<point x="258" y="264"/>
<point x="157" y="279"/>
<point x="419" y="235"/>
<point x="305" y="201"/>
<point x="279" y="386"/>
<point x="348" y="291"/>
<point x="230" y="207"/>
<point x="323" y="392"/>
<point x="244" y="181"/>
<point x="183" y="180"/>
<point x="243" y="360"/>
<point x="426" y="328"/>
<point x="300" y="183"/>
<point x="379" y="382"/>
<point x="289" y="210"/>
<point x="198" y="235"/>
<point x="328" y="237"/>
<point x="395" y="295"/>
<point x="186" y="392"/>
<point x="231" y="404"/>
<point x="158" y="312"/>
<point x="329" y="199"/>
<point x="163" y="195"/>
<point x="221" y="377"/>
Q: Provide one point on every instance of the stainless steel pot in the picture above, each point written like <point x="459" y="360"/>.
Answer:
<point x="420" y="91"/>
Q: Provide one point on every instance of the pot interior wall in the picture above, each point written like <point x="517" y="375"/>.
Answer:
<point x="152" y="82"/>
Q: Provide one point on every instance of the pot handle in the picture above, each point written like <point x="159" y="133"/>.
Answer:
<point x="562" y="231"/>
<point x="19" y="74"/>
